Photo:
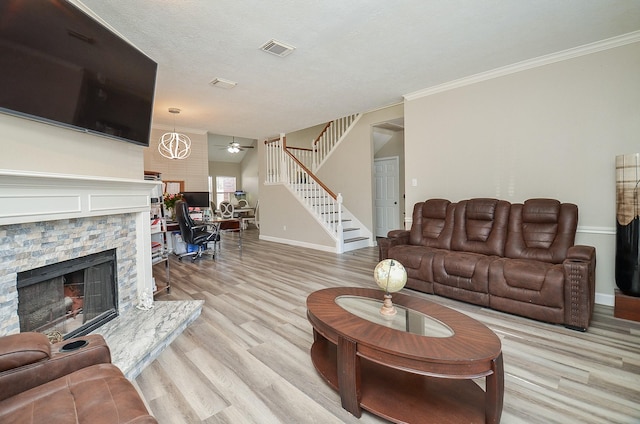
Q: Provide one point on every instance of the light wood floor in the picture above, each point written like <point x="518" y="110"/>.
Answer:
<point x="246" y="358"/>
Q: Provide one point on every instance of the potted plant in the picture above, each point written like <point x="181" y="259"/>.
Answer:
<point x="170" y="203"/>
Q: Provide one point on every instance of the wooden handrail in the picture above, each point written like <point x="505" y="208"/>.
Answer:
<point x="300" y="148"/>
<point x="271" y="140"/>
<point x="326" y="127"/>
<point x="311" y="174"/>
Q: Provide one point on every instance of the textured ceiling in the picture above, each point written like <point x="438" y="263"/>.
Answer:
<point x="351" y="56"/>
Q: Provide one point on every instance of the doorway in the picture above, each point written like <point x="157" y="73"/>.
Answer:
<point x="387" y="140"/>
<point x="387" y="198"/>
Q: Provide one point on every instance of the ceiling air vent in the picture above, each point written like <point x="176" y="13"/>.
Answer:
<point x="222" y="83"/>
<point x="277" y="48"/>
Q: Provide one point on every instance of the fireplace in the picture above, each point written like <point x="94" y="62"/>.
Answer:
<point x="71" y="298"/>
<point x="48" y="219"/>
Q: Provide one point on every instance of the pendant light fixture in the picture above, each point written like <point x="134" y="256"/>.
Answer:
<point x="174" y="145"/>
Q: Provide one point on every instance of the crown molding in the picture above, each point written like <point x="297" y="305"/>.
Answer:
<point x="607" y="44"/>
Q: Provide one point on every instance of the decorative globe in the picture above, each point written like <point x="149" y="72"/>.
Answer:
<point x="390" y="275"/>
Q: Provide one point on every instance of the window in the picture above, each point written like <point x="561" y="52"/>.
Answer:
<point x="225" y="188"/>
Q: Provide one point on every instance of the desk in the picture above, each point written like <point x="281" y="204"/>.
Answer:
<point x="224" y="225"/>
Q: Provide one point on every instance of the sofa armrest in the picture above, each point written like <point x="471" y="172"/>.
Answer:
<point x="581" y="253"/>
<point x="580" y="286"/>
<point x="57" y="363"/>
<point x="394" y="238"/>
<point x="21" y="349"/>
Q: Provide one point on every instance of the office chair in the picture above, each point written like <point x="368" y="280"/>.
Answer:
<point x="193" y="233"/>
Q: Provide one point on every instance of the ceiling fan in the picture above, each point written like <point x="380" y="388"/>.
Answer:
<point x="235" y="147"/>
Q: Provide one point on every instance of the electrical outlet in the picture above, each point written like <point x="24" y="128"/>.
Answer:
<point x="284" y="227"/>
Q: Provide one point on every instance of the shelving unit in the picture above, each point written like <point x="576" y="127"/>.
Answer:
<point x="159" y="236"/>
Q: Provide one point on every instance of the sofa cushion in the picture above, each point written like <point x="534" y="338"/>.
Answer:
<point x="417" y="260"/>
<point x="542" y="230"/>
<point x="432" y="224"/>
<point x="529" y="288"/>
<point x="535" y="282"/>
<point x="97" y="394"/>
<point x="480" y="226"/>
<point x="462" y="275"/>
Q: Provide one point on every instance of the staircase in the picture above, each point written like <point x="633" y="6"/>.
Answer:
<point x="346" y="227"/>
<point x="292" y="167"/>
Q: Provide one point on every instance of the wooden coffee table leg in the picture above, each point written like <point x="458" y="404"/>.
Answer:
<point x="349" y="376"/>
<point x="494" y="392"/>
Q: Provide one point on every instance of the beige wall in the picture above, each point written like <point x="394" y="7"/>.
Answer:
<point x="304" y="138"/>
<point x="349" y="170"/>
<point x="249" y="180"/>
<point x="552" y="131"/>
<point x="285" y="219"/>
<point x="34" y="146"/>
<point x="194" y="170"/>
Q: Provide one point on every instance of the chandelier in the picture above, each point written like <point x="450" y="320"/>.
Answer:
<point x="174" y="145"/>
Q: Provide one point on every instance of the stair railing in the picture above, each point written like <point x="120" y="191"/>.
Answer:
<point x="304" y="155"/>
<point x="329" y="137"/>
<point x="284" y="167"/>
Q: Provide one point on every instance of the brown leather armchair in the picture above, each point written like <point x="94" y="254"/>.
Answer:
<point x="68" y="382"/>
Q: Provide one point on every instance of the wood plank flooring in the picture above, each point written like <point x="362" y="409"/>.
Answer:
<point x="246" y="358"/>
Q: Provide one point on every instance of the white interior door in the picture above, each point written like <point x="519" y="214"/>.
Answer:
<point x="387" y="198"/>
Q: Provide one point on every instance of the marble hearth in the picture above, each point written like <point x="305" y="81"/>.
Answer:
<point x="48" y="218"/>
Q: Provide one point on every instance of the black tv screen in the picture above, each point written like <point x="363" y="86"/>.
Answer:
<point x="60" y="66"/>
<point x="196" y="199"/>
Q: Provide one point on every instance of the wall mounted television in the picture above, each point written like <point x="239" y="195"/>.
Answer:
<point x="60" y="66"/>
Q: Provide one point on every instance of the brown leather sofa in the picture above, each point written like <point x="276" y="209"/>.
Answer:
<point x="516" y="258"/>
<point x="62" y="383"/>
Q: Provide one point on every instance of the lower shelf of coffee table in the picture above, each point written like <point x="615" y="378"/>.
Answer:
<point x="404" y="397"/>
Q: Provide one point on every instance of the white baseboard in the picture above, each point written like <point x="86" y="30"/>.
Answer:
<point x="605" y="299"/>
<point x="298" y="243"/>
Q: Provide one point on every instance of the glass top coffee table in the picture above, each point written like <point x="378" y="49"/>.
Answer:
<point x="415" y="367"/>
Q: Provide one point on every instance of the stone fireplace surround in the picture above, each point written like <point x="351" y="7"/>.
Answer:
<point x="48" y="218"/>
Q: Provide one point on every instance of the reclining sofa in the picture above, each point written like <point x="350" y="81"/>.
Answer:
<point x="68" y="382"/>
<point x="516" y="258"/>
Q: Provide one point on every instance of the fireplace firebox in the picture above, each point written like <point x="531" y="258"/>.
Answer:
<point x="72" y="298"/>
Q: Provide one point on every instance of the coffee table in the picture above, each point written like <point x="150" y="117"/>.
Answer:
<point x="416" y="367"/>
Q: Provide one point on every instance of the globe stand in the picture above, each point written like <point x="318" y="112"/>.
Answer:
<point x="387" y="306"/>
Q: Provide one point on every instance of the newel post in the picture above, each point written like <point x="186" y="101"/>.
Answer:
<point x="284" y="174"/>
<point x="314" y="157"/>
<point x="339" y="229"/>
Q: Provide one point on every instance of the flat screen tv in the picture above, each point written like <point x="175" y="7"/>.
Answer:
<point x="196" y="199"/>
<point x="60" y="66"/>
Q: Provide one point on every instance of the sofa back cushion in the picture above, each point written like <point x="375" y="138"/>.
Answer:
<point x="542" y="230"/>
<point x="432" y="224"/>
<point x="480" y="226"/>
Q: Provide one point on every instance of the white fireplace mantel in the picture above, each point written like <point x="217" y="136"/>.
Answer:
<point x="35" y="197"/>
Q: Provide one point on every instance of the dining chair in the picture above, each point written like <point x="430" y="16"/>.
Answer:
<point x="226" y="209"/>
<point x="252" y="217"/>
